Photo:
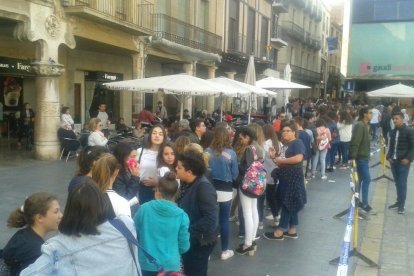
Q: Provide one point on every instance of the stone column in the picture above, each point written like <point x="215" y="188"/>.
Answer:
<point x="229" y="100"/>
<point x="137" y="73"/>
<point x="47" y="120"/>
<point x="189" y="68"/>
<point x="210" y="99"/>
<point x="48" y="27"/>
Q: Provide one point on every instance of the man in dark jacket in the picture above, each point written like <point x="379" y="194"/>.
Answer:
<point x="400" y="155"/>
<point x="359" y="151"/>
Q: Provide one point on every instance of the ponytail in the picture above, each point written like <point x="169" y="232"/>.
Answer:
<point x="36" y="204"/>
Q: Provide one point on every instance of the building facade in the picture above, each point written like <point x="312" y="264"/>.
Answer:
<point x="302" y="28"/>
<point x="60" y="52"/>
<point x="380" y="51"/>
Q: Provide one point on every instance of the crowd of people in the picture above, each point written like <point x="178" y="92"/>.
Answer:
<point x="177" y="194"/>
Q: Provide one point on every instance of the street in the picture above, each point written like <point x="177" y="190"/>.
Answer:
<point x="386" y="238"/>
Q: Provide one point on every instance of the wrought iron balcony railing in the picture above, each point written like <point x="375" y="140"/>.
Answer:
<point x="180" y="32"/>
<point x="128" y="13"/>
<point x="301" y="74"/>
<point x="293" y="30"/>
<point x="239" y="44"/>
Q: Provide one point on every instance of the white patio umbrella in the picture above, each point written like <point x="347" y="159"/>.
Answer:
<point x="179" y="84"/>
<point x="241" y="89"/>
<point x="250" y="78"/>
<point x="275" y="83"/>
<point x="393" y="91"/>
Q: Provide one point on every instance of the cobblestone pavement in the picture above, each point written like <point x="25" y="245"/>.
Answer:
<point x="386" y="238"/>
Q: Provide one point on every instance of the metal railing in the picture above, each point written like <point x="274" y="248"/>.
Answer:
<point x="302" y="74"/>
<point x="134" y="12"/>
<point x="185" y="34"/>
<point x="293" y="30"/>
<point x="239" y="44"/>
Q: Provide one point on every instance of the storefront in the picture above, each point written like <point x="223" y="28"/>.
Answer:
<point x="95" y="94"/>
<point x="18" y="87"/>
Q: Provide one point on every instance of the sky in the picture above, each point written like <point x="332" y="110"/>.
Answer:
<point x="333" y="2"/>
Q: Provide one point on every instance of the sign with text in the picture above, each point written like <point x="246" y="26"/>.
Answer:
<point x="15" y="66"/>
<point x="381" y="49"/>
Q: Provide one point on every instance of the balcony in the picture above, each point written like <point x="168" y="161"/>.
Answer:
<point x="182" y="33"/>
<point x="299" y="3"/>
<point x="295" y="31"/>
<point x="315" y="43"/>
<point x="132" y="15"/>
<point x="318" y="16"/>
<point x="300" y="74"/>
<point x="239" y="44"/>
<point x="276" y="38"/>
<point x="280" y="6"/>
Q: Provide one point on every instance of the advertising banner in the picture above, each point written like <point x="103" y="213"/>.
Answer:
<point x="12" y="96"/>
<point x="381" y="49"/>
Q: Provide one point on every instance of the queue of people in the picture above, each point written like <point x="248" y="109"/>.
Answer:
<point x="177" y="194"/>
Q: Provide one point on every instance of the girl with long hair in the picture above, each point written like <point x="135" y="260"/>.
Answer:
<point x="88" y="244"/>
<point x="271" y="142"/>
<point x="127" y="182"/>
<point x="166" y="159"/>
<point x="104" y="172"/>
<point x="224" y="170"/>
<point x="147" y="159"/>
<point x="39" y="215"/>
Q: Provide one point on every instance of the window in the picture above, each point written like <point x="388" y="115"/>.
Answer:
<point x="292" y="56"/>
<point x="251" y="34"/>
<point x="382" y="11"/>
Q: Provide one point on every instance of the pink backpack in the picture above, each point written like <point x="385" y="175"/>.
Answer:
<point x="254" y="180"/>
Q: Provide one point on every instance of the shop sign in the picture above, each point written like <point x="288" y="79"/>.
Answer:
<point x="15" y="66"/>
<point x="103" y="76"/>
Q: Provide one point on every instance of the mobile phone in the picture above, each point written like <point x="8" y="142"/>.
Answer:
<point x="132" y="163"/>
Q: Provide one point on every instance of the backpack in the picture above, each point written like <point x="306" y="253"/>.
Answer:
<point x="254" y="180"/>
<point x="324" y="143"/>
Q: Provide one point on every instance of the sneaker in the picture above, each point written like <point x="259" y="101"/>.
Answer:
<point x="401" y="210"/>
<point x="324" y="177"/>
<point x="394" y="206"/>
<point x="233" y="218"/>
<point x="243" y="250"/>
<point x="368" y="210"/>
<point x="313" y="176"/>
<point x="260" y="225"/>
<point x="227" y="254"/>
<point x="269" y="217"/>
<point x="271" y="236"/>
<point x="291" y="236"/>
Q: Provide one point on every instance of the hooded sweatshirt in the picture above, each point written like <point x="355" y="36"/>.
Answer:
<point x="162" y="230"/>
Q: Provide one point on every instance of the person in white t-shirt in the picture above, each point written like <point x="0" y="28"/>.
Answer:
<point x="147" y="159"/>
<point x="375" y="120"/>
<point x="104" y="172"/>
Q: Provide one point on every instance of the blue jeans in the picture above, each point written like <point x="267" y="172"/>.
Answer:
<point x="321" y="157"/>
<point x="364" y="180"/>
<point x="400" y="174"/>
<point x="332" y="154"/>
<point x="345" y="152"/>
<point x="287" y="219"/>
<point x="224" y="215"/>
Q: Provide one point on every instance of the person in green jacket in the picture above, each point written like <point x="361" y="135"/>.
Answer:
<point x="359" y="151"/>
<point x="162" y="228"/>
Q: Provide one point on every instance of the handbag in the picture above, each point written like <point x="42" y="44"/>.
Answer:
<point x="121" y="227"/>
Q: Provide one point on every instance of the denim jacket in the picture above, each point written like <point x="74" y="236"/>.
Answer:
<point x="223" y="167"/>
<point x="105" y="254"/>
